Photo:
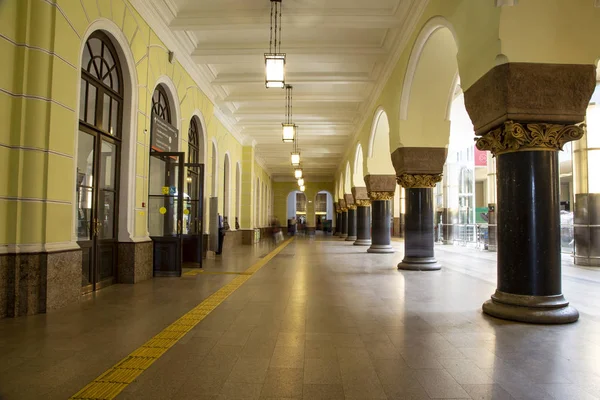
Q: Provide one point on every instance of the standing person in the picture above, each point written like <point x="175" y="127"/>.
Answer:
<point x="221" y="234"/>
<point x="274" y="229"/>
<point x="237" y="224"/>
<point x="293" y="226"/>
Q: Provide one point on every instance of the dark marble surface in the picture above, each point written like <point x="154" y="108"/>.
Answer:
<point x="64" y="279"/>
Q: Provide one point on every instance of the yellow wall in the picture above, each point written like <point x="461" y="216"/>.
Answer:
<point x="41" y="46"/>
<point x="281" y="190"/>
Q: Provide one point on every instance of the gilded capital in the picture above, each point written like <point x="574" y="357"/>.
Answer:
<point x="351" y="206"/>
<point x="513" y="136"/>
<point x="381" y="195"/>
<point x="345" y="209"/>
<point x="363" y="203"/>
<point x="410" y="181"/>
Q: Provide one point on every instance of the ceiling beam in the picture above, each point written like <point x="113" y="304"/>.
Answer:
<point x="257" y="58"/>
<point x="260" y="20"/>
<point x="296" y="78"/>
<point x="312" y="97"/>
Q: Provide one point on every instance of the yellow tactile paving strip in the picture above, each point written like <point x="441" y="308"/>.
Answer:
<point x="114" y="380"/>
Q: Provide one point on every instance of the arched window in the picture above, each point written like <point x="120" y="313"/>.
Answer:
<point x="98" y="160"/>
<point x="160" y="104"/>
<point x="193" y="148"/>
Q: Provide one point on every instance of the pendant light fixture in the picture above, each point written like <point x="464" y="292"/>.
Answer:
<point x="275" y="59"/>
<point x="302" y="188"/>
<point x="295" y="156"/>
<point x="301" y="182"/>
<point x="289" y="128"/>
<point x="298" y="173"/>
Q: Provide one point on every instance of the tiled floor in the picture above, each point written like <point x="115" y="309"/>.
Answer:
<point x="322" y="320"/>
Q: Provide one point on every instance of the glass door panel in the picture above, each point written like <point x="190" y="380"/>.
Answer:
<point x="106" y="234"/>
<point x="85" y="185"/>
<point x="193" y="212"/>
<point x="165" y="211"/>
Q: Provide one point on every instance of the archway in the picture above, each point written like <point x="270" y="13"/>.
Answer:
<point x="379" y="160"/>
<point x="100" y="138"/>
<point x="296" y="208"/>
<point x="226" y="189"/>
<point x="358" y="176"/>
<point x="238" y="194"/>
<point x="214" y="188"/>
<point x="324" y="211"/>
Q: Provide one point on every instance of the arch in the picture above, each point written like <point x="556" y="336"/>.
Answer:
<point x="329" y="207"/>
<point x="429" y="87"/>
<point x="127" y="188"/>
<point x="214" y="181"/>
<point x="291" y="204"/>
<point x="171" y="92"/>
<point x="238" y="192"/>
<point x="430" y="27"/>
<point x="379" y="159"/>
<point x="358" y="176"/>
<point x="226" y="187"/>
<point x="340" y="186"/>
<point x="348" y="179"/>
<point x="203" y="139"/>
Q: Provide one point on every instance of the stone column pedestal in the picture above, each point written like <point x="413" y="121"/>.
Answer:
<point x="523" y="113"/>
<point x="419" y="241"/>
<point x="338" y="219"/>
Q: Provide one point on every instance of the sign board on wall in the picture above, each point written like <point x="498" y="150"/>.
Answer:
<point x="163" y="136"/>
<point x="480" y="158"/>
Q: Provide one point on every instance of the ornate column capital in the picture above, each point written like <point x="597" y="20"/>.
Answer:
<point x="352" y="207"/>
<point x="363" y="202"/>
<point x="345" y="209"/>
<point x="381" y="196"/>
<point x="512" y="136"/>
<point x="410" y="181"/>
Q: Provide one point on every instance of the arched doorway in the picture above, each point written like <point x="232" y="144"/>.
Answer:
<point x="226" y="189"/>
<point x="323" y="211"/>
<point x="296" y="209"/>
<point x="98" y="161"/>
<point x="167" y="195"/>
<point x="193" y="211"/>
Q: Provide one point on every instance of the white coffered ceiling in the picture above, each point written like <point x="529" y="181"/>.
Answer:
<point x="339" y="53"/>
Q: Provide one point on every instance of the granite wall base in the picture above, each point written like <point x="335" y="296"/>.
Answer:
<point x="135" y="262"/>
<point x="37" y="283"/>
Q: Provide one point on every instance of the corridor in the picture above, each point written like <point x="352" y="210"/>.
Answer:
<point x="322" y="319"/>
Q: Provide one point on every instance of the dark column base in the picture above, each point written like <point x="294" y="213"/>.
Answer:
<point x="381" y="248"/>
<point x="350" y="238"/>
<point x="362" y="242"/>
<point x="419" y="264"/>
<point x="531" y="309"/>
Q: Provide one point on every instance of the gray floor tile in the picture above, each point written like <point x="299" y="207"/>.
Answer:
<point x="439" y="384"/>
<point x="283" y="382"/>
<point x="323" y="392"/>
<point x="249" y="370"/>
<point x="287" y="357"/>
<point x="321" y="371"/>
<point x="487" y="392"/>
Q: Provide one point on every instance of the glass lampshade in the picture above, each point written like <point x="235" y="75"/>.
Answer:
<point x="301" y="182"/>
<point x="302" y="188"/>
<point x="295" y="159"/>
<point x="298" y="173"/>
<point x="289" y="133"/>
<point x="275" y="70"/>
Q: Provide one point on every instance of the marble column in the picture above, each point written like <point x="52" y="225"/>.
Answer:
<point x="338" y="219"/>
<point x="344" y="219"/>
<point x="351" y="224"/>
<point x="351" y="217"/>
<point x="363" y="216"/>
<point x="381" y="241"/>
<point x="419" y="238"/>
<point x="523" y="114"/>
<point x="344" y="234"/>
<point x="381" y="191"/>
